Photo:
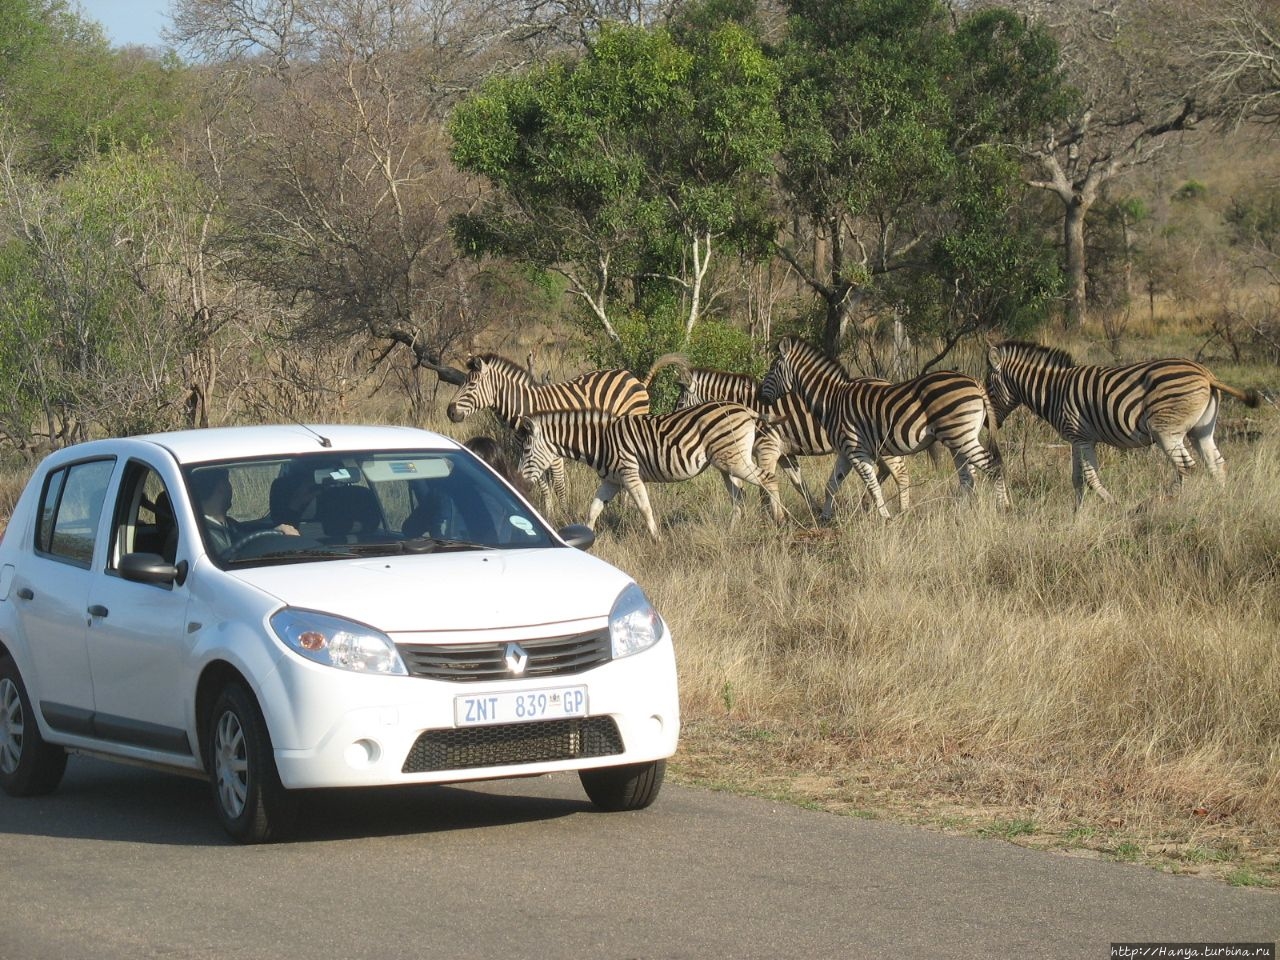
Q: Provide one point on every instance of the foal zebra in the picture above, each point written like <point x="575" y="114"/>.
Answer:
<point x="1161" y="402"/>
<point x="870" y="419"/>
<point x="494" y="381"/>
<point x="628" y="451"/>
<point x="795" y="431"/>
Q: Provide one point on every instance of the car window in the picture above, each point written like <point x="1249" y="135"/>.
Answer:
<point x="144" y="519"/>
<point x="326" y="505"/>
<point x="70" y="506"/>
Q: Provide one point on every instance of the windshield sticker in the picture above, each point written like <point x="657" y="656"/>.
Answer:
<point x="522" y="523"/>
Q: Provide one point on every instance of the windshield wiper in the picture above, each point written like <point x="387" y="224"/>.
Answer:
<point x="438" y="544"/>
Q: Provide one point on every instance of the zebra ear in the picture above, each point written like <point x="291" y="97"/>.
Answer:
<point x="524" y="426"/>
<point x="473" y="362"/>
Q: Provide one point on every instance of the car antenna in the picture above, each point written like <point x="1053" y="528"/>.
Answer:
<point x="324" y="441"/>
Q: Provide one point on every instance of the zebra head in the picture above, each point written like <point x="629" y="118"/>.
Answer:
<point x="781" y="378"/>
<point x="1013" y="367"/>
<point x="536" y="454"/>
<point x="689" y="394"/>
<point x="476" y="391"/>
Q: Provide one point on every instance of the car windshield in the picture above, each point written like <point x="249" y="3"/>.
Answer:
<point x="326" y="506"/>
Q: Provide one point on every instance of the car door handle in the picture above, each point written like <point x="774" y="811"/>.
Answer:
<point x="26" y="593"/>
<point x="97" y="610"/>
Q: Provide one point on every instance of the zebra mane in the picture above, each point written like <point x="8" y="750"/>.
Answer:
<point x="507" y="365"/>
<point x="805" y="349"/>
<point x="1045" y="356"/>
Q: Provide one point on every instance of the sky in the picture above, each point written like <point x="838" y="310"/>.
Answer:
<point x="129" y="21"/>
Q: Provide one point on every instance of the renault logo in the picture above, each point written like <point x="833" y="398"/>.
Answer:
<point x="517" y="658"/>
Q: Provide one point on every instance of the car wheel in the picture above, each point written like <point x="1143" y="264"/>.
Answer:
<point x="28" y="765"/>
<point x="632" y="787"/>
<point x="251" y="802"/>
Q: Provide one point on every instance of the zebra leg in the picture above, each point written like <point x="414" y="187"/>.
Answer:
<point x="767" y="453"/>
<point x="896" y="467"/>
<point x="866" y="468"/>
<point x="839" y="470"/>
<point x="635" y="486"/>
<point x="791" y="467"/>
<point x="1203" y="443"/>
<point x="606" y="492"/>
<point x="1084" y="471"/>
<point x="558" y="485"/>
<point x="1179" y="456"/>
<point x="734" y="486"/>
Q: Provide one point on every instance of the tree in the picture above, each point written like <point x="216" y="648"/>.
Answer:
<point x="1135" y="97"/>
<point x="325" y="128"/>
<point x="95" y="295"/>
<point x="71" y="96"/>
<point x="899" y="122"/>
<point x="1238" y="59"/>
<point x="627" y="171"/>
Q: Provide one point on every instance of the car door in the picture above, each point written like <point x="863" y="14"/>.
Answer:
<point x="52" y="585"/>
<point x="137" y="637"/>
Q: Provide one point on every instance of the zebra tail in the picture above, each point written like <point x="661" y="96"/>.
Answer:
<point x="678" y="360"/>
<point x="1249" y="397"/>
<point x="997" y="459"/>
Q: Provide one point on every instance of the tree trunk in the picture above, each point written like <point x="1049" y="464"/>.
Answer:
<point x="1073" y="240"/>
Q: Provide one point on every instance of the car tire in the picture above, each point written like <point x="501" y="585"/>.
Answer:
<point x="29" y="766"/>
<point x="251" y="802"/>
<point x="631" y="787"/>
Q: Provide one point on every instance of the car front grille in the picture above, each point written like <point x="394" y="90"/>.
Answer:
<point x="514" y="743"/>
<point x="548" y="657"/>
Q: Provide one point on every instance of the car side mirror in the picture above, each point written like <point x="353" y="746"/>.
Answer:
<point x="578" y="535"/>
<point x="144" y="567"/>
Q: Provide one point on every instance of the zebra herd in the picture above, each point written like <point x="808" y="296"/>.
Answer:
<point x="808" y="405"/>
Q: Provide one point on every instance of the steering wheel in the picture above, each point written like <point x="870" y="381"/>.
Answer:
<point x="244" y="541"/>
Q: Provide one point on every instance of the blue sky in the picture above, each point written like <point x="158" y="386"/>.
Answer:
<point x="129" y="21"/>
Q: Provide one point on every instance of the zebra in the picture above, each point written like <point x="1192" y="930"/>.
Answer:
<point x="502" y="384"/>
<point x="629" y="451"/>
<point x="795" y="432"/>
<point x="1154" y="402"/>
<point x="870" y="419"/>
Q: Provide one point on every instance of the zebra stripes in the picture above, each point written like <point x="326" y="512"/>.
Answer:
<point x="870" y="419"/>
<point x="1162" y="402"/>
<point x="510" y="390"/>
<point x="795" y="431"/>
<point x="494" y="381"/>
<point x="629" y="451"/>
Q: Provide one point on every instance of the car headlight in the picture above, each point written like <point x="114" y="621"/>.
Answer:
<point x="633" y="623"/>
<point x="338" y="643"/>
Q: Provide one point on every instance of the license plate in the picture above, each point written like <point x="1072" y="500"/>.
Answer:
<point x="550" y="704"/>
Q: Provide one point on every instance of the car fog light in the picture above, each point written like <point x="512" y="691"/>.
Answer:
<point x="363" y="753"/>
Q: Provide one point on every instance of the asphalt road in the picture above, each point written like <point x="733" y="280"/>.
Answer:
<point x="123" y="862"/>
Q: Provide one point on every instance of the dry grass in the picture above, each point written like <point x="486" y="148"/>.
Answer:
<point x="1108" y="681"/>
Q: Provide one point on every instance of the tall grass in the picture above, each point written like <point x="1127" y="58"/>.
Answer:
<point x="1131" y="649"/>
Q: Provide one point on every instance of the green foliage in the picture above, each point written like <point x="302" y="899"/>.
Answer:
<point x="1254" y="218"/>
<point x="723" y="347"/>
<point x="1190" y="191"/>
<point x="610" y="168"/>
<point x="90" y="343"/>
<point x="900" y="125"/>
<point x="71" y="95"/>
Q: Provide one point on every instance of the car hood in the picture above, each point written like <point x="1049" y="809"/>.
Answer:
<point x="471" y="590"/>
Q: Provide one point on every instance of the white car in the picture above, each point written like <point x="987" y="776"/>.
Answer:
<point x="280" y="608"/>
